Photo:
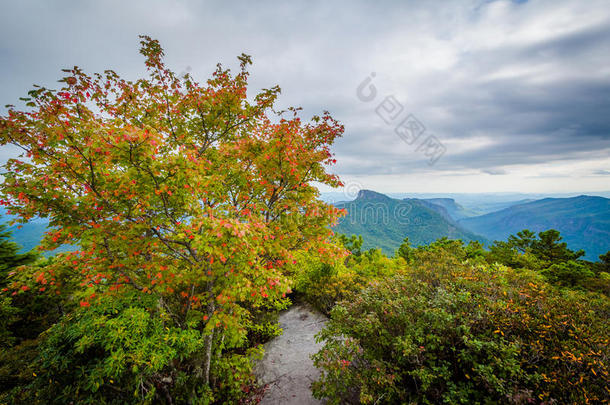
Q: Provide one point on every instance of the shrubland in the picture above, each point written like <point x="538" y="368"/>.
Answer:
<point x="447" y="323"/>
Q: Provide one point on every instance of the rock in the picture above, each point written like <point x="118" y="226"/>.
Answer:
<point x="287" y="367"/>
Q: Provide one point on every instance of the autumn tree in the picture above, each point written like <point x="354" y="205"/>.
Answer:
<point x="197" y="195"/>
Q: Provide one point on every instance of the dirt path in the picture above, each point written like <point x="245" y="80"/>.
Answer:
<point x="286" y="366"/>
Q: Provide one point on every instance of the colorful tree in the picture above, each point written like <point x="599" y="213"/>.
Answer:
<point x="194" y="193"/>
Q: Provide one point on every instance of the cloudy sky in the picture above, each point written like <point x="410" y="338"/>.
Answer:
<point x="516" y="93"/>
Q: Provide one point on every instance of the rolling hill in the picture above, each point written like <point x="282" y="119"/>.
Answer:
<point x="384" y="222"/>
<point x="584" y="222"/>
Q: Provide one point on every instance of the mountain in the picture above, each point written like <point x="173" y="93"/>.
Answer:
<point x="384" y="222"/>
<point x="487" y="207"/>
<point x="452" y="208"/>
<point x="583" y="221"/>
<point x="30" y="234"/>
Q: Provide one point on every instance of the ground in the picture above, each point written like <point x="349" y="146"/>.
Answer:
<point x="287" y="368"/>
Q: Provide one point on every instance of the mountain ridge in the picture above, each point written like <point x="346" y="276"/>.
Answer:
<point x="583" y="221"/>
<point x="384" y="222"/>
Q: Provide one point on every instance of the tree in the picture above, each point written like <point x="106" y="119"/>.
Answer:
<point x="550" y="248"/>
<point x="352" y="244"/>
<point x="568" y="274"/>
<point x="474" y="249"/>
<point x="604" y="261"/>
<point x="405" y="250"/>
<point x="10" y="258"/>
<point x="195" y="194"/>
<point x="523" y="241"/>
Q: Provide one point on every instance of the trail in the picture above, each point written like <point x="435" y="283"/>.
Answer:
<point x="286" y="367"/>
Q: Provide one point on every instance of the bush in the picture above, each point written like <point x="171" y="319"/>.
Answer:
<point x="324" y="284"/>
<point x="124" y="350"/>
<point x="568" y="274"/>
<point x="443" y="332"/>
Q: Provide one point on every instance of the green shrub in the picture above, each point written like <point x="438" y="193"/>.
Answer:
<point x="568" y="274"/>
<point x="324" y="284"/>
<point x="125" y="350"/>
<point x="444" y="332"/>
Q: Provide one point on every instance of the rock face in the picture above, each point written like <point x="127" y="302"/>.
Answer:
<point x="287" y="368"/>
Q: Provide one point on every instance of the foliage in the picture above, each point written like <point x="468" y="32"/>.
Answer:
<point x="568" y="273"/>
<point x="23" y="316"/>
<point x="263" y="324"/>
<point x="116" y="351"/>
<point x="549" y="248"/>
<point x="191" y="198"/>
<point x="447" y="331"/>
<point x="547" y="253"/>
<point x="405" y="251"/>
<point x="323" y="283"/>
<point x="353" y="244"/>
<point x="10" y="257"/>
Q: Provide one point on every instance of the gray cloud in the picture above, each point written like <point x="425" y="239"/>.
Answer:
<point x="495" y="172"/>
<point x="502" y="84"/>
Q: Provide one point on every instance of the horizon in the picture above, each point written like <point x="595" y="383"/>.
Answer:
<point x="347" y="196"/>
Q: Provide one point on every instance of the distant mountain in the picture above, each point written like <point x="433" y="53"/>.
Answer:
<point x="583" y="221"/>
<point x="452" y="208"/>
<point x="30" y="234"/>
<point x="384" y="222"/>
<point x="487" y="207"/>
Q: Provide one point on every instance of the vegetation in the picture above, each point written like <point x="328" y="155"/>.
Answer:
<point x="448" y="327"/>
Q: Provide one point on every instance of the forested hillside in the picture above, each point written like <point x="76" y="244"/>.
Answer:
<point x="384" y="222"/>
<point x="454" y="210"/>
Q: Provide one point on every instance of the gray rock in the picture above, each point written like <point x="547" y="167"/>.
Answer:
<point x="287" y="368"/>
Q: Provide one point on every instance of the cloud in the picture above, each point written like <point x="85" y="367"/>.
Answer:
<point x="495" y="172"/>
<point x="506" y="86"/>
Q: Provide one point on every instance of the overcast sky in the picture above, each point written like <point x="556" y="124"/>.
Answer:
<point x="516" y="93"/>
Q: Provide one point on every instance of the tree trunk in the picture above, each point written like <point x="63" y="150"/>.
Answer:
<point x="218" y="354"/>
<point x="208" y="341"/>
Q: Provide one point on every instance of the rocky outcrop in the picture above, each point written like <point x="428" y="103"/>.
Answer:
<point x="287" y="369"/>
